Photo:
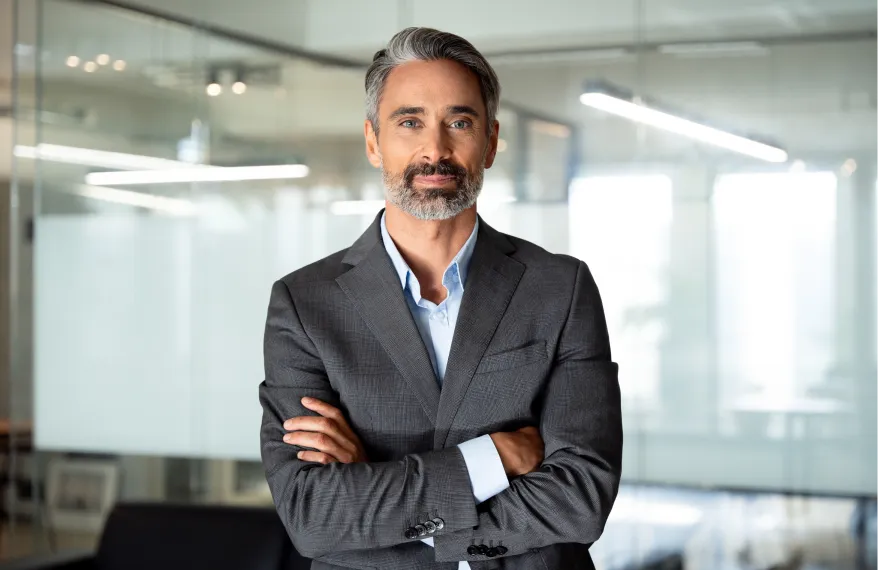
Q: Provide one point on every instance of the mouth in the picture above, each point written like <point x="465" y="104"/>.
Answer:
<point x="435" y="180"/>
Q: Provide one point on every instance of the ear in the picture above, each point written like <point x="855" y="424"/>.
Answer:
<point x="492" y="145"/>
<point x="373" y="153"/>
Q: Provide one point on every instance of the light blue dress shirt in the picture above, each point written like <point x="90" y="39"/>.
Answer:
<point x="436" y="324"/>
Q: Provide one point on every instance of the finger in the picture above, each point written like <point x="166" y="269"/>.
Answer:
<point x="331" y="412"/>
<point x="320" y="424"/>
<point x="316" y="457"/>
<point x="324" y="409"/>
<point x="321" y="442"/>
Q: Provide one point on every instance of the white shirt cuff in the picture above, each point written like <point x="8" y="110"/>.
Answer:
<point x="485" y="468"/>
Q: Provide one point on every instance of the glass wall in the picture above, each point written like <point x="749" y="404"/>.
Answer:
<point x="740" y="293"/>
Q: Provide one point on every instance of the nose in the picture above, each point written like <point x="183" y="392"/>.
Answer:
<point x="436" y="145"/>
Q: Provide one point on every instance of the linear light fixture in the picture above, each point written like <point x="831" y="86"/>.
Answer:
<point x="189" y="175"/>
<point x="717" y="49"/>
<point x="97" y="158"/>
<point x="559" y="56"/>
<point x="601" y="96"/>
<point x="173" y="206"/>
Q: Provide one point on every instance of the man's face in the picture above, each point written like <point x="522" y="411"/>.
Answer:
<point x="433" y="144"/>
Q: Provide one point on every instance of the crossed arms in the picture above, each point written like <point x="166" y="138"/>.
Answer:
<point x="335" y="506"/>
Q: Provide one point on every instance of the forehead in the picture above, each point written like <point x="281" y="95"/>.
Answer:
<point x="433" y="85"/>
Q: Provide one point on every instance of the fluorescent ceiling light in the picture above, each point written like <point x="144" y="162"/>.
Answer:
<point x="643" y="114"/>
<point x="714" y="49"/>
<point x="560" y="56"/>
<point x="173" y="206"/>
<point x="207" y="174"/>
<point x="97" y="158"/>
<point x="152" y="170"/>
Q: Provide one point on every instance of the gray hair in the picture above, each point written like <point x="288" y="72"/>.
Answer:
<point x="427" y="44"/>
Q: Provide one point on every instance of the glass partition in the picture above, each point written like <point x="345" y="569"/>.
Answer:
<point x="740" y="294"/>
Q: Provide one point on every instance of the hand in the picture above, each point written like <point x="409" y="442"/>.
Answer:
<point x="520" y="451"/>
<point x="328" y="433"/>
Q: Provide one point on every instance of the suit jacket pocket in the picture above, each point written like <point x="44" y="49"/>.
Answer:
<point x="534" y="352"/>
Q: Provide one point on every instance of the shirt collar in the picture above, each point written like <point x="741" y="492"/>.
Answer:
<point x="461" y="260"/>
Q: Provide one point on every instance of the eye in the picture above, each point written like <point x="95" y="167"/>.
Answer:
<point x="460" y="124"/>
<point x="409" y="124"/>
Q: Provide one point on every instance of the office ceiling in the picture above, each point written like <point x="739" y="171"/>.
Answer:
<point x="807" y="78"/>
<point x="356" y="29"/>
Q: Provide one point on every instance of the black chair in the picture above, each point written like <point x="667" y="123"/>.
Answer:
<point x="182" y="537"/>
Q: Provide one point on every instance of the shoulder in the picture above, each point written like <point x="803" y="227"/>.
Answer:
<point x="318" y="274"/>
<point x="545" y="264"/>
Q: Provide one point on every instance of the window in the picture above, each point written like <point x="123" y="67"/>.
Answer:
<point x="775" y="268"/>
<point x="620" y="226"/>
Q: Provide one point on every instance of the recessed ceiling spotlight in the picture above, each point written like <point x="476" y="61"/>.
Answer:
<point x="849" y="167"/>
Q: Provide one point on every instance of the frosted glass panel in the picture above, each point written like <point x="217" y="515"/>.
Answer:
<point x="112" y="335"/>
<point x="149" y="328"/>
<point x="620" y="226"/>
<point x="775" y="238"/>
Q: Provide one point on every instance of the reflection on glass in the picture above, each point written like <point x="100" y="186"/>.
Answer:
<point x="775" y="239"/>
<point x="620" y="226"/>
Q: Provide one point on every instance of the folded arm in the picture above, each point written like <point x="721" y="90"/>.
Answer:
<point x="569" y="498"/>
<point x="339" y="507"/>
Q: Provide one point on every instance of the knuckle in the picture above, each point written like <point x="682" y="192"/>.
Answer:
<point x="332" y="417"/>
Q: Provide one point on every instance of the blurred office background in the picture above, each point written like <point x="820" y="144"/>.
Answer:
<point x="740" y="290"/>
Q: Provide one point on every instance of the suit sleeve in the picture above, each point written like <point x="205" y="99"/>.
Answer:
<point x="340" y="507"/>
<point x="568" y="499"/>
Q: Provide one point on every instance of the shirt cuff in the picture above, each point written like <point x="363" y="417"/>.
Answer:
<point x="428" y="541"/>
<point x="485" y="468"/>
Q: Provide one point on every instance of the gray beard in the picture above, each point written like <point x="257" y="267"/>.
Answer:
<point x="432" y="203"/>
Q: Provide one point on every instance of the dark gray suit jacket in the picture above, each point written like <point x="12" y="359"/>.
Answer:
<point x="530" y="348"/>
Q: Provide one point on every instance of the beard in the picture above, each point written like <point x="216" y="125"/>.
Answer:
<point x="433" y="203"/>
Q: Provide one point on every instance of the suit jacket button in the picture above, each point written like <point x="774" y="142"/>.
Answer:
<point x="430" y="526"/>
<point x="411" y="533"/>
<point x="440" y="524"/>
<point x="483" y="549"/>
<point x="421" y="530"/>
<point x="501" y="550"/>
<point x="473" y="550"/>
<point x="492" y="552"/>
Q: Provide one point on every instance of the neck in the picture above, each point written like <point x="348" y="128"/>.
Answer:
<point x="428" y="246"/>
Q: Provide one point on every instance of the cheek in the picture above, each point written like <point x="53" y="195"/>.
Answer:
<point x="394" y="159"/>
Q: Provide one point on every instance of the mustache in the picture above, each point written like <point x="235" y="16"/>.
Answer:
<point x="441" y="168"/>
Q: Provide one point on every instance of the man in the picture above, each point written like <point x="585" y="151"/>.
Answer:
<point x="439" y="395"/>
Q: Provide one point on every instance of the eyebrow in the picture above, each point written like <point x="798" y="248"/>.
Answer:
<point x="462" y="110"/>
<point x="451" y="110"/>
<point x="407" y="111"/>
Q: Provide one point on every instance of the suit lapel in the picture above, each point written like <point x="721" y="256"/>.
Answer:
<point x="492" y="280"/>
<point x="373" y="287"/>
